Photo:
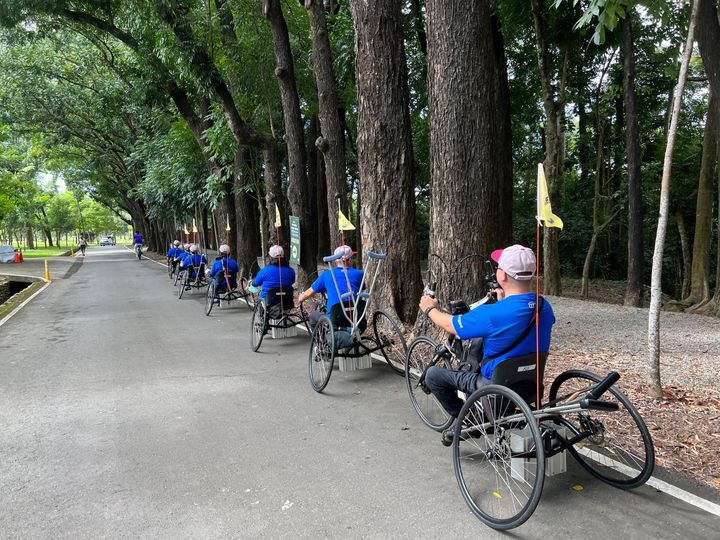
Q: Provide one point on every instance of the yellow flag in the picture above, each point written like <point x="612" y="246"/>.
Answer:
<point x="227" y="227"/>
<point x="194" y="227"/>
<point x="544" y="210"/>
<point x="278" y="221"/>
<point x="344" y="223"/>
<point x="186" y="231"/>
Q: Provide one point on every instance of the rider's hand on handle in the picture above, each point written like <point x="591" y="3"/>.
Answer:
<point x="499" y="293"/>
<point x="427" y="302"/>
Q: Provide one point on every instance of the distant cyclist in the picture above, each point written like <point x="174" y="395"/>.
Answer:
<point x="138" y="241"/>
<point x="83" y="244"/>
<point x="225" y="270"/>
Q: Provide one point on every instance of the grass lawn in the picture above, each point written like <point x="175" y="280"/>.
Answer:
<point x="47" y="252"/>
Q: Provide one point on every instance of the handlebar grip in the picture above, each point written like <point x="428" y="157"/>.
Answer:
<point x="374" y="255"/>
<point x="603" y="385"/>
<point x="331" y="258"/>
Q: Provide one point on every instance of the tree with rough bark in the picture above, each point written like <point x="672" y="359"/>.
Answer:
<point x="470" y="139"/>
<point x="330" y="141"/>
<point x="385" y="152"/>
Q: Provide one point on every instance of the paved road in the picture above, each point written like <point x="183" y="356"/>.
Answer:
<point x="126" y="413"/>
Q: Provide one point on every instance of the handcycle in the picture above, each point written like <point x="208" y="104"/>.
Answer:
<point x="138" y="251"/>
<point x="501" y="440"/>
<point x="340" y="333"/>
<point x="193" y="277"/>
<point x="221" y="290"/>
<point x="277" y="312"/>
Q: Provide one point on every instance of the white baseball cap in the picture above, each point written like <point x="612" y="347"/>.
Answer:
<point x="224" y="248"/>
<point x="516" y="261"/>
<point x="345" y="251"/>
<point x="193" y="248"/>
<point x="276" y="252"/>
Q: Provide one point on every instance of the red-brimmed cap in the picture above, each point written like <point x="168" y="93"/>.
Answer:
<point x="516" y="261"/>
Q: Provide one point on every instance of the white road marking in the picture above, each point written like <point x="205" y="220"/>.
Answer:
<point x="660" y="485"/>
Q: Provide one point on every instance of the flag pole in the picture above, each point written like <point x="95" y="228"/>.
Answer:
<point x="537" y="295"/>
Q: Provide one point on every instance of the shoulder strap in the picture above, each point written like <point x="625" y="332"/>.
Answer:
<point x="523" y="335"/>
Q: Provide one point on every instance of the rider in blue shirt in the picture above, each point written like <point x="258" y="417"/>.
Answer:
<point x="137" y="238"/>
<point x="194" y="262"/>
<point x="347" y="279"/>
<point x="499" y="324"/>
<point x="173" y="253"/>
<point x="275" y="274"/>
<point x="225" y="269"/>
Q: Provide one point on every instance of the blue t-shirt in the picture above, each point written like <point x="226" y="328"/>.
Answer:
<point x="324" y="283"/>
<point x="137" y="238"/>
<point x="271" y="276"/>
<point x="173" y="252"/>
<point x="500" y="324"/>
<point x="222" y="266"/>
<point x="193" y="261"/>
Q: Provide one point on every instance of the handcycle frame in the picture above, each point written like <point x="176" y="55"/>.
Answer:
<point x="217" y="295"/>
<point x="354" y="309"/>
<point x="260" y="323"/>
<point x="485" y="433"/>
<point x="197" y="282"/>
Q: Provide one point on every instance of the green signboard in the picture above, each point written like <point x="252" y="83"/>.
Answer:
<point x="294" y="240"/>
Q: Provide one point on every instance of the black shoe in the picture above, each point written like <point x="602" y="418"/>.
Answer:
<point x="447" y="436"/>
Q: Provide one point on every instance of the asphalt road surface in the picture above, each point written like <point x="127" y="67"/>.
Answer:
<point x="127" y="413"/>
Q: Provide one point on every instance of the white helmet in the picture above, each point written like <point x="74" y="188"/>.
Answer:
<point x="193" y="248"/>
<point x="176" y="243"/>
<point x="186" y="247"/>
<point x="224" y="249"/>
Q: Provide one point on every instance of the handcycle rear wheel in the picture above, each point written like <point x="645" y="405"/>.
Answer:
<point x="619" y="450"/>
<point x="390" y="338"/>
<point x="322" y="354"/>
<point x="418" y="357"/>
<point x="257" y="328"/>
<point x="210" y="297"/>
<point x="498" y="457"/>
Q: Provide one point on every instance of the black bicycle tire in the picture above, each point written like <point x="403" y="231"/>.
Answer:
<point x="648" y="446"/>
<point x="409" y="385"/>
<point x="527" y="510"/>
<point x="209" y="297"/>
<point x="399" y="369"/>
<point x="256" y="341"/>
<point x="323" y="322"/>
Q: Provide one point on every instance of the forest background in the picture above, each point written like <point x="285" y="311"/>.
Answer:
<point x="423" y="121"/>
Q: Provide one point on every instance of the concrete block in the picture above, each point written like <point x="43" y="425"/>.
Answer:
<point x="281" y="333"/>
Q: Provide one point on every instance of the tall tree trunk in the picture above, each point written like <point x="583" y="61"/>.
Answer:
<point x="712" y="306"/>
<point x="655" y="383"/>
<point x="702" y="241"/>
<point x="294" y="138"/>
<point x="29" y="237"/>
<point x="635" y="247"/>
<point x="385" y="153"/>
<point x="554" y="147"/>
<point x="599" y="173"/>
<point x="274" y="198"/>
<point x="708" y="37"/>
<point x="248" y="245"/>
<point x="686" y="267"/>
<point x="330" y="142"/>
<point x="470" y="146"/>
<point x="321" y="199"/>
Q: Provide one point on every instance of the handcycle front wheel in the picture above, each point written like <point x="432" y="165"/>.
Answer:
<point x="322" y="354"/>
<point x="178" y="276"/>
<point x="391" y="341"/>
<point x="419" y="355"/>
<point x="181" y="287"/>
<point x="170" y="268"/>
<point x="618" y="448"/>
<point x="498" y="457"/>
<point x="257" y="327"/>
<point x="210" y="297"/>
